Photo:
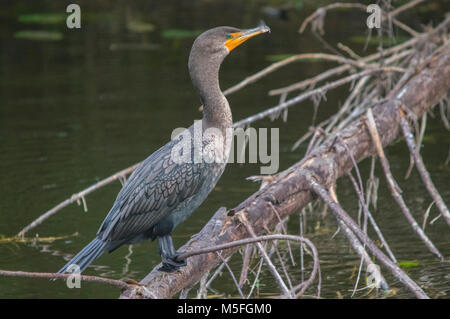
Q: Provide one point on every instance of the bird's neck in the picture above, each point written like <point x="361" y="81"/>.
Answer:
<point x="216" y="110"/>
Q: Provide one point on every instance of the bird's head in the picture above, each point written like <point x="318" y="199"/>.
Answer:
<point x="217" y="43"/>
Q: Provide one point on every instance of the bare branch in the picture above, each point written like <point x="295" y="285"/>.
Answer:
<point x="116" y="283"/>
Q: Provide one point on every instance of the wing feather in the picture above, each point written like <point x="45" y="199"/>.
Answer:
<point x="155" y="189"/>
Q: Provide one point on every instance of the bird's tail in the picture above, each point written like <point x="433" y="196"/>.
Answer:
<point x="92" y="251"/>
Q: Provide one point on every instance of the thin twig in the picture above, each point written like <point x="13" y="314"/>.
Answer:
<point x="361" y="251"/>
<point x="405" y="7"/>
<point x="241" y="242"/>
<point x="302" y="265"/>
<point x="76" y="197"/>
<point x="395" y="189"/>
<point x="425" y="216"/>
<point x="372" y="220"/>
<point x="283" y="267"/>
<point x="360" y="191"/>
<point x="283" y="228"/>
<point x="255" y="281"/>
<point x="277" y="65"/>
<point x="232" y="274"/>
<point x="272" y="269"/>
<point x="245" y="265"/>
<point x="45" y="275"/>
<point x="216" y="273"/>
<point x="320" y="11"/>
<point x="422" y="170"/>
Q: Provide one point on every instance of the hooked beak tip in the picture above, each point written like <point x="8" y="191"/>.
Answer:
<point x="263" y="27"/>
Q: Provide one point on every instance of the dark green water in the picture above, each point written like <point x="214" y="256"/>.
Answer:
<point x="74" y="111"/>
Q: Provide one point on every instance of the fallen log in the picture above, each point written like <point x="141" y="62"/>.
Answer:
<point x="290" y="191"/>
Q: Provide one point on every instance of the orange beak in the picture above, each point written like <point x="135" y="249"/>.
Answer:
<point x="238" y="38"/>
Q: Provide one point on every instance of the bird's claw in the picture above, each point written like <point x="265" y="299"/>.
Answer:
<point x="171" y="263"/>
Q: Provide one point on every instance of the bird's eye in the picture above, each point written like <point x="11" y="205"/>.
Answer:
<point x="228" y="36"/>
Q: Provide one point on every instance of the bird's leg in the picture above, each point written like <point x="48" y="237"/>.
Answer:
<point x="168" y="254"/>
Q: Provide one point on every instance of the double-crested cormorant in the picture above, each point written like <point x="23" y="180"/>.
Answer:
<point x="162" y="192"/>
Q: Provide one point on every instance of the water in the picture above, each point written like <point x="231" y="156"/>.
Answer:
<point x="75" y="111"/>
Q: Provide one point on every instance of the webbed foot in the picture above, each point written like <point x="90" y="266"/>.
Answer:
<point x="171" y="263"/>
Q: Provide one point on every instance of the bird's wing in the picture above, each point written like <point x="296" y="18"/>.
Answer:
<point x="155" y="189"/>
